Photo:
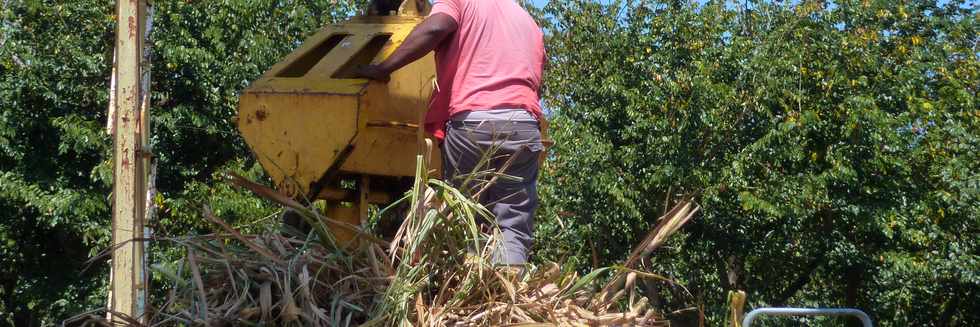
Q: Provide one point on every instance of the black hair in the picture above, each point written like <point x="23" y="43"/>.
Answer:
<point x="383" y="7"/>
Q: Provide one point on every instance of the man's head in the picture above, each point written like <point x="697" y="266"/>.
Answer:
<point x="384" y="7"/>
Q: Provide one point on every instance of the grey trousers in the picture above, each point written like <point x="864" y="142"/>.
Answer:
<point x="473" y="147"/>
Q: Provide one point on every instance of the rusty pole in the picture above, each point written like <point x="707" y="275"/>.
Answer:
<point x="127" y="280"/>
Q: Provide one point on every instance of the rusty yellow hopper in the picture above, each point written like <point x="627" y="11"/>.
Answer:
<point x="321" y="134"/>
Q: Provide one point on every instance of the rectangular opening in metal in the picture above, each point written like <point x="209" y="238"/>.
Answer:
<point x="303" y="64"/>
<point x="363" y="57"/>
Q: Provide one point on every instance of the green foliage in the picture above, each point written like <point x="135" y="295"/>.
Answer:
<point x="53" y="188"/>
<point x="834" y="148"/>
<point x="55" y="172"/>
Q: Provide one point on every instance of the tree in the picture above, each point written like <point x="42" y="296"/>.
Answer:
<point x="834" y="148"/>
<point x="55" y="170"/>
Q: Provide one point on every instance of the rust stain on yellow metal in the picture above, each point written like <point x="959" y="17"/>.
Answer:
<point x="307" y="111"/>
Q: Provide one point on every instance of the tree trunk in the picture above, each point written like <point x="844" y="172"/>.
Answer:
<point x="948" y="309"/>
<point x="853" y="278"/>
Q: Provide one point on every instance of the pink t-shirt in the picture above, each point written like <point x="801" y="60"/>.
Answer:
<point x="494" y="60"/>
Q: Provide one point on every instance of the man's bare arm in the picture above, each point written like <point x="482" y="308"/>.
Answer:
<point x="423" y="39"/>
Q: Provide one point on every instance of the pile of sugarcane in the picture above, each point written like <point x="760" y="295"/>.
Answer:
<point x="435" y="272"/>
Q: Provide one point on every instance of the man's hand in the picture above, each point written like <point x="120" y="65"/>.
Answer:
<point x="423" y="39"/>
<point x="373" y="72"/>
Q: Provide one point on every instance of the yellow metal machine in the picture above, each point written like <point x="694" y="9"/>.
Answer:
<point x="322" y="134"/>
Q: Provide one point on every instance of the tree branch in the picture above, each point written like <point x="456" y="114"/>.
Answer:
<point x="800" y="281"/>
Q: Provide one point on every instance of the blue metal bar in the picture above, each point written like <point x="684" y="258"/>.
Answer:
<point x="865" y="320"/>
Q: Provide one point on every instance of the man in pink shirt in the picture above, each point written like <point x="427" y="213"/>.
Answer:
<point x="489" y="60"/>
